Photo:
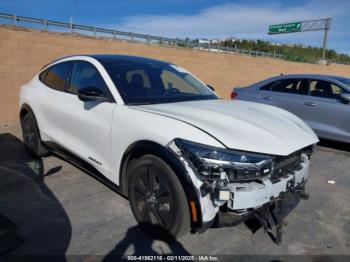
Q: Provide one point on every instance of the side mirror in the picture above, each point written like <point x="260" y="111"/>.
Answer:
<point x="90" y="93"/>
<point x="212" y="88"/>
<point x="345" y="97"/>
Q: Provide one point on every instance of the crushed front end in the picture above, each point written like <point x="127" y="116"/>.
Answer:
<point x="235" y="186"/>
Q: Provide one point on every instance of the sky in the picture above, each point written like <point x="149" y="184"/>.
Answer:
<point x="198" y="18"/>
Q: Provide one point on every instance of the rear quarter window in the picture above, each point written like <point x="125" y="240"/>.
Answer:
<point x="266" y="86"/>
<point x="42" y="76"/>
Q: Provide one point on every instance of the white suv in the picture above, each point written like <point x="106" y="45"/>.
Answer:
<point x="155" y="133"/>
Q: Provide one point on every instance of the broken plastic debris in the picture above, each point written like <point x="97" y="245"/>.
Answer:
<point x="331" y="182"/>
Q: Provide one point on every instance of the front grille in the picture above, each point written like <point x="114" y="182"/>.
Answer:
<point x="247" y="173"/>
<point x="286" y="165"/>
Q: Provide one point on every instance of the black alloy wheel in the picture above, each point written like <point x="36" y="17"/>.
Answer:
<point x="29" y="133"/>
<point x="31" y="137"/>
<point x="157" y="198"/>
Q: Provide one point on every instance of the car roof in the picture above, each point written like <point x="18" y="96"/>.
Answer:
<point x="105" y="58"/>
<point x="341" y="80"/>
<point x="314" y="76"/>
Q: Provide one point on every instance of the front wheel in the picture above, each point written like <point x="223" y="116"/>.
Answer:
<point x="157" y="198"/>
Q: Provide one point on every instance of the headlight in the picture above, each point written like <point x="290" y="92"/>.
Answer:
<point x="211" y="162"/>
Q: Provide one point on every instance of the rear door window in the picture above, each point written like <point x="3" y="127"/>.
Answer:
<point x="55" y="77"/>
<point x="291" y="86"/>
<point x="302" y="86"/>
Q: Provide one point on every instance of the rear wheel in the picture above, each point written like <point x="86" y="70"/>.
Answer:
<point x="31" y="137"/>
<point x="157" y="198"/>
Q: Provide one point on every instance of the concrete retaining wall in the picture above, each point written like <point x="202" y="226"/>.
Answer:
<point x="23" y="52"/>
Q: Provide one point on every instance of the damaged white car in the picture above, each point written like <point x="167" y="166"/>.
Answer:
<point x="155" y="133"/>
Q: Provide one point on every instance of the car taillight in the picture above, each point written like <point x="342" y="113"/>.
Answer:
<point x="233" y="95"/>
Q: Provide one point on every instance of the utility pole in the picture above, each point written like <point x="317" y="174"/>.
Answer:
<point x="325" y="38"/>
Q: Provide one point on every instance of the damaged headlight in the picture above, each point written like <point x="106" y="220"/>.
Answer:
<point x="212" y="163"/>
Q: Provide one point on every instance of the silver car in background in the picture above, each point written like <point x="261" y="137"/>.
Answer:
<point x="322" y="101"/>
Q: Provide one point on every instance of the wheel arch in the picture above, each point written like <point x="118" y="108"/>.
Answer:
<point x="25" y="109"/>
<point x="143" y="147"/>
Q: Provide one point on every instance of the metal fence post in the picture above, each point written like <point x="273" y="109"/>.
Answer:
<point x="131" y="36"/>
<point x="15" y="19"/>
<point x="114" y="34"/>
<point x="274" y="53"/>
<point x="148" y="39"/>
<point x="45" y="24"/>
<point x="94" y="31"/>
<point x="71" y="25"/>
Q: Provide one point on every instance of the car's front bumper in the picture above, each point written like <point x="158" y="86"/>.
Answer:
<point x="254" y="194"/>
<point x="247" y="196"/>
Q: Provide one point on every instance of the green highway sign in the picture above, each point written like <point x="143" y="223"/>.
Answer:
<point x="285" y="28"/>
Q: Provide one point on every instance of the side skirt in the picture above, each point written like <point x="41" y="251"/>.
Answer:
<point x="82" y="165"/>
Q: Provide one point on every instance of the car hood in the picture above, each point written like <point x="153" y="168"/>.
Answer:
<point x="242" y="125"/>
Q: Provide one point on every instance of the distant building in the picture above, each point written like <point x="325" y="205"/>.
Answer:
<point x="276" y="44"/>
<point x="203" y="41"/>
<point x="207" y="41"/>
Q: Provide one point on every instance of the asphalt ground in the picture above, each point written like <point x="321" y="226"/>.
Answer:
<point x="59" y="209"/>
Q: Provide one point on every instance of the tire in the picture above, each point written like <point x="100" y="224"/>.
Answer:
<point x="157" y="198"/>
<point x="31" y="137"/>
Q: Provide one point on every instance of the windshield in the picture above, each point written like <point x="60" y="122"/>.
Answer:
<point x="151" y="83"/>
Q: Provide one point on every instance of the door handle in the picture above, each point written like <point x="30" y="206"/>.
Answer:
<point x="310" y="104"/>
<point x="267" y="97"/>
